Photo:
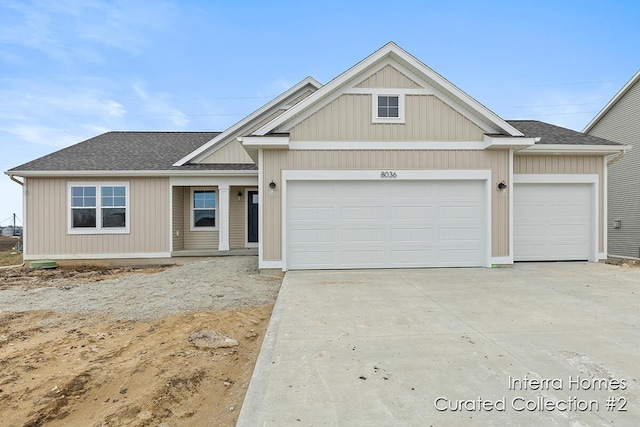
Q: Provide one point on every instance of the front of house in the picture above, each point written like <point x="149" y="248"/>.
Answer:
<point x="389" y="165"/>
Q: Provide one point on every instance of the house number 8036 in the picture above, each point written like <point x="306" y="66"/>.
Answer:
<point x="388" y="174"/>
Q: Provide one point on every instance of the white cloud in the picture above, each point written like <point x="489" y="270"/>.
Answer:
<point x="157" y="104"/>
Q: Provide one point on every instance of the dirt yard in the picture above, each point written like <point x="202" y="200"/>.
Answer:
<point x="111" y="347"/>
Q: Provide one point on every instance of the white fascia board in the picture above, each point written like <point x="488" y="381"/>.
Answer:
<point x="573" y="149"/>
<point x="387" y="145"/>
<point x="509" y="142"/>
<point x="239" y="125"/>
<point x="613" y="102"/>
<point x="391" y="49"/>
<point x="265" y="141"/>
<point x="208" y="181"/>
<point x="128" y="173"/>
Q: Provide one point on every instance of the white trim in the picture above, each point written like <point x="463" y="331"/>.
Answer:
<point x="602" y="255"/>
<point x="509" y="142"/>
<point x="501" y="260"/>
<point x="265" y="141"/>
<point x="101" y="256"/>
<point x="387" y="145"/>
<point x="573" y="148"/>
<point x="99" y="229"/>
<point x="612" y="102"/>
<point x="192" y="227"/>
<point x="222" y="217"/>
<point x="510" y="204"/>
<point x="24" y="218"/>
<point x="309" y="81"/>
<point x="399" y="55"/>
<point x="262" y="264"/>
<point x="375" y="98"/>
<point x="605" y="207"/>
<point x="375" y="175"/>
<point x="135" y="173"/>
<point x="592" y="180"/>
<point x="261" y="210"/>
<point x="248" y="244"/>
<point x="171" y="218"/>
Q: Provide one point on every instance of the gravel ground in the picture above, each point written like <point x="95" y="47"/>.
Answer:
<point x="220" y="283"/>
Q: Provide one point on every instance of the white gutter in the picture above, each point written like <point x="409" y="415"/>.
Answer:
<point x="120" y="173"/>
<point x="574" y="149"/>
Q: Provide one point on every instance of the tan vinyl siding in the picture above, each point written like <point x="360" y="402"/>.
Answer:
<point x="388" y="77"/>
<point x="276" y="161"/>
<point x="48" y="212"/>
<point x="230" y="153"/>
<point x="622" y="124"/>
<point x="178" y="218"/>
<point x="348" y="118"/>
<point x="196" y="239"/>
<point x="237" y="217"/>
<point x="566" y="165"/>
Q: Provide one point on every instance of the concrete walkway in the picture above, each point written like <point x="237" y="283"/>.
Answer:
<point x="537" y="344"/>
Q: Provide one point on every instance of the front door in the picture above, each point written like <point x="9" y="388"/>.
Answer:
<point x="252" y="216"/>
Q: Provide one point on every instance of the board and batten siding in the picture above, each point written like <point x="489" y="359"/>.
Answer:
<point x="577" y="164"/>
<point x="388" y="77"/>
<point x="349" y="118"/>
<point x="47" y="214"/>
<point x="237" y="217"/>
<point x="275" y="161"/>
<point x="230" y="153"/>
<point x="201" y="239"/>
<point x="178" y="218"/>
<point x="622" y="124"/>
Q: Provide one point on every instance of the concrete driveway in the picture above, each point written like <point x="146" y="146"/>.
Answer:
<point x="536" y="344"/>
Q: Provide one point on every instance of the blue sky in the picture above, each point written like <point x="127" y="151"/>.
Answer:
<point x="72" y="69"/>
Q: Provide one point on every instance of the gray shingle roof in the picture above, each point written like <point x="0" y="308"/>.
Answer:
<point x="128" y="151"/>
<point x="552" y="134"/>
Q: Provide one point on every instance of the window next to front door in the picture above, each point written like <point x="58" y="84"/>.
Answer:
<point x="203" y="209"/>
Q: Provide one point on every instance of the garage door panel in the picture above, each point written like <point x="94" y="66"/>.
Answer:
<point x="552" y="221"/>
<point x="387" y="224"/>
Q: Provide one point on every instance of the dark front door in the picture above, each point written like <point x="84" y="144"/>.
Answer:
<point x="252" y="217"/>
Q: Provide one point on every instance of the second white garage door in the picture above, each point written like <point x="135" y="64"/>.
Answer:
<point x="552" y="222"/>
<point x="385" y="224"/>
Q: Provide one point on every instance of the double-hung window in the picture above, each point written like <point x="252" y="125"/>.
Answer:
<point x="98" y="208"/>
<point x="203" y="209"/>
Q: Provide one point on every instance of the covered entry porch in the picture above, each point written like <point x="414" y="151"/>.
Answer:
<point x="214" y="216"/>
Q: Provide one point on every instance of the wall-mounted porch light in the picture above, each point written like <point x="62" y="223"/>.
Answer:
<point x="272" y="185"/>
<point x="502" y="186"/>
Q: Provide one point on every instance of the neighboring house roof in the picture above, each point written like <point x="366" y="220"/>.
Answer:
<point x="614" y="101"/>
<point x="552" y="134"/>
<point x="491" y="122"/>
<point x="129" y="151"/>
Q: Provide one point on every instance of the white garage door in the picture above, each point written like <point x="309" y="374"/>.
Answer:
<point x="385" y="224"/>
<point x="551" y="222"/>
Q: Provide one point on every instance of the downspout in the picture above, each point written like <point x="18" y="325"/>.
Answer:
<point x="13" y="178"/>
<point x="617" y="158"/>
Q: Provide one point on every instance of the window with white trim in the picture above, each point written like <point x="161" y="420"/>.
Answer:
<point x="203" y="209"/>
<point x="98" y="208"/>
<point x="388" y="108"/>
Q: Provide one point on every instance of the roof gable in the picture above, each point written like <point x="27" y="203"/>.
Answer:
<point x="374" y="69"/>
<point x="267" y="112"/>
<point x="618" y="96"/>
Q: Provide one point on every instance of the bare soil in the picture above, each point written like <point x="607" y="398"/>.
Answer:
<point x="65" y="368"/>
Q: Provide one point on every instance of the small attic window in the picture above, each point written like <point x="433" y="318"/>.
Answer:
<point x="388" y="108"/>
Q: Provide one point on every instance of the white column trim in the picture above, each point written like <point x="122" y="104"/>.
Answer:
<point x="223" y="217"/>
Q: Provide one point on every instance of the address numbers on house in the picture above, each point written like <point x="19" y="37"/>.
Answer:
<point x="388" y="174"/>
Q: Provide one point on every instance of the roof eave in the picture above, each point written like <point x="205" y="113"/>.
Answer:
<point x="131" y="173"/>
<point x="573" y="149"/>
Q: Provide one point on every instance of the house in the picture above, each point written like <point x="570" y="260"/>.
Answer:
<point x="387" y="165"/>
<point x="619" y="121"/>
